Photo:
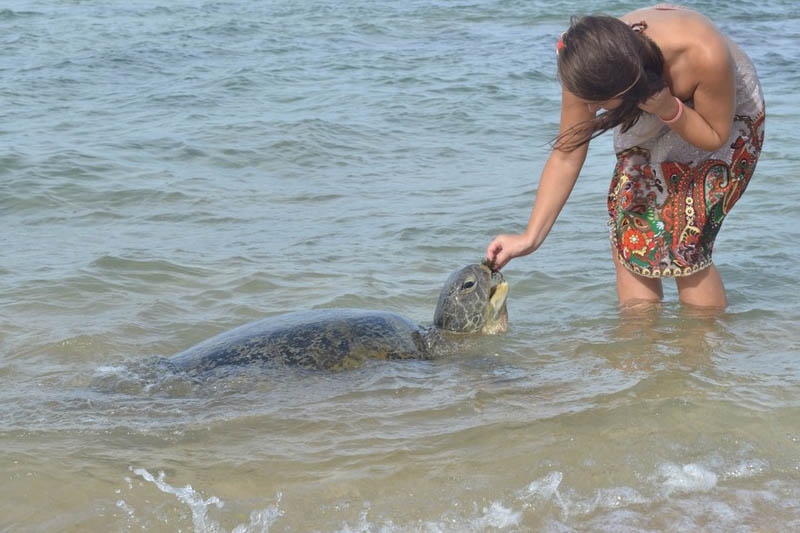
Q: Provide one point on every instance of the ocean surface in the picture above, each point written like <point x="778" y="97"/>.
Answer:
<point x="170" y="170"/>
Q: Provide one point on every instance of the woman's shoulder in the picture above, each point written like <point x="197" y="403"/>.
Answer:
<point x="663" y="12"/>
<point x="680" y="30"/>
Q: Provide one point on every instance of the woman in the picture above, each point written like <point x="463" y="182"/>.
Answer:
<point x="688" y="114"/>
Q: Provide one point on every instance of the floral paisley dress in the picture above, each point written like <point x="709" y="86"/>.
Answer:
<point x="667" y="198"/>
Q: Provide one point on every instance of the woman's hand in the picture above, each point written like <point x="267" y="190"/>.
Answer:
<point x="662" y="104"/>
<point x="504" y="248"/>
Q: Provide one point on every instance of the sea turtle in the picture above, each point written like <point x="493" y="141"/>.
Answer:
<point x="473" y="300"/>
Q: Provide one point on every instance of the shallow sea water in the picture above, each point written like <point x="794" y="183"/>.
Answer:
<point x="172" y="170"/>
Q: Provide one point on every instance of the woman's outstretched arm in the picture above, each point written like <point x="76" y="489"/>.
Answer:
<point x="555" y="185"/>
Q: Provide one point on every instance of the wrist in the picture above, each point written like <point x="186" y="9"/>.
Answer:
<point x="531" y="240"/>
<point x="675" y="115"/>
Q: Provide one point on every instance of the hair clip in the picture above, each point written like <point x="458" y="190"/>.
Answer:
<point x="560" y="44"/>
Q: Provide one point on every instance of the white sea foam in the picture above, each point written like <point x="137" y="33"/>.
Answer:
<point x="673" y="488"/>
<point x="188" y="496"/>
<point x="687" y="478"/>
<point x="125" y="507"/>
<point x="496" y="516"/>
<point x="365" y="526"/>
<point x="543" y="490"/>
<point x="260" y="521"/>
<point x="546" y="487"/>
<point x="617" y="497"/>
<point x="105" y="370"/>
<point x="747" y="469"/>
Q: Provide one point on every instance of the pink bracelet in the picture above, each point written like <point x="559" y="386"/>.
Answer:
<point x="677" y="115"/>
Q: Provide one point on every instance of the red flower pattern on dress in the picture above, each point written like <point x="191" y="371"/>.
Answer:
<point x="634" y="242"/>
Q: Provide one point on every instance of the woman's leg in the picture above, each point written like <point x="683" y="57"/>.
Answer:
<point x="633" y="289"/>
<point x="702" y="289"/>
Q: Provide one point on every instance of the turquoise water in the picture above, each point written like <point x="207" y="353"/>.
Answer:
<point x="171" y="170"/>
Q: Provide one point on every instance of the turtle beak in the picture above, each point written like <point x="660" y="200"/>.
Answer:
<point x="496" y="312"/>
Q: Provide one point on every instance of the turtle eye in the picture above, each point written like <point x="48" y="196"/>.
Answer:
<point x="468" y="284"/>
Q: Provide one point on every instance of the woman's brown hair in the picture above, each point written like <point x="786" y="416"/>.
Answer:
<point x="599" y="58"/>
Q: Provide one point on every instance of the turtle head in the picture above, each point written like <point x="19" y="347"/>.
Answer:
<point x="473" y="300"/>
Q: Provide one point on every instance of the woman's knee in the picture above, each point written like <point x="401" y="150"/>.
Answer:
<point x="634" y="290"/>
<point x="702" y="289"/>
